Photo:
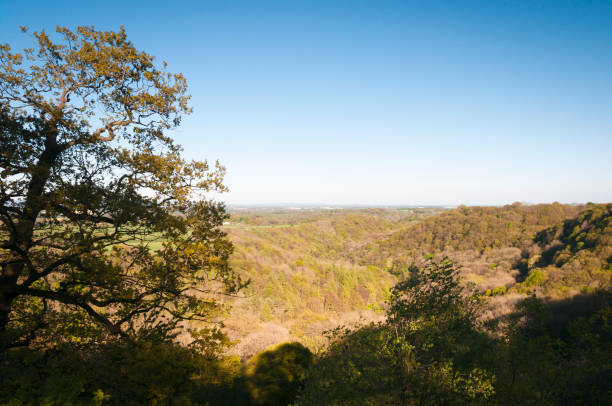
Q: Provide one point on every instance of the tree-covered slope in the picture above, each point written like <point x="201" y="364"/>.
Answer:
<point x="574" y="255"/>
<point x="313" y="270"/>
<point x="303" y="277"/>
<point x="467" y="228"/>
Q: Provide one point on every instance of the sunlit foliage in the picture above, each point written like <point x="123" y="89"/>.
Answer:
<point x="88" y="178"/>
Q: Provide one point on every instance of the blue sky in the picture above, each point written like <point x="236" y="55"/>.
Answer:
<point x="380" y="102"/>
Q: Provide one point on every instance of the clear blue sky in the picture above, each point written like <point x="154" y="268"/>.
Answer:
<point x="380" y="102"/>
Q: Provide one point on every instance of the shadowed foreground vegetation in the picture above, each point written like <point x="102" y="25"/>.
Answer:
<point x="432" y="349"/>
<point x="146" y="372"/>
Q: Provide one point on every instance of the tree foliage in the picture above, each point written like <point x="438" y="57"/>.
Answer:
<point x="274" y="376"/>
<point x="429" y="351"/>
<point x="105" y="229"/>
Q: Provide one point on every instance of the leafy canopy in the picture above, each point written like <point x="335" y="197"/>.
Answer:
<point x="105" y="229"/>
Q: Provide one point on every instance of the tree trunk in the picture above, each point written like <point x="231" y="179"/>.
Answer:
<point x="8" y="292"/>
<point x="21" y="237"/>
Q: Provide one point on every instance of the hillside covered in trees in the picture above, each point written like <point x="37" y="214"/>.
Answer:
<point x="524" y="287"/>
<point x="312" y="270"/>
<point x="474" y="229"/>
<point x="304" y="277"/>
<point x="474" y="305"/>
<point x="544" y="339"/>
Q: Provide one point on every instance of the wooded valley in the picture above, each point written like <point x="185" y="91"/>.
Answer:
<point x="526" y="289"/>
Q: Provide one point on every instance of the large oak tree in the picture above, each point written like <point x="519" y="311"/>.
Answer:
<point x="105" y="228"/>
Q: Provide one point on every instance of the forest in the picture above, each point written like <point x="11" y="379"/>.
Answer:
<point x="122" y="284"/>
<point x="503" y="305"/>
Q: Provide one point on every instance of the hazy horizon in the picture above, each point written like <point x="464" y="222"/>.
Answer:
<point x="315" y="205"/>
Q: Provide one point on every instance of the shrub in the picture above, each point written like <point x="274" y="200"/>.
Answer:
<point x="274" y="376"/>
<point x="535" y="278"/>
